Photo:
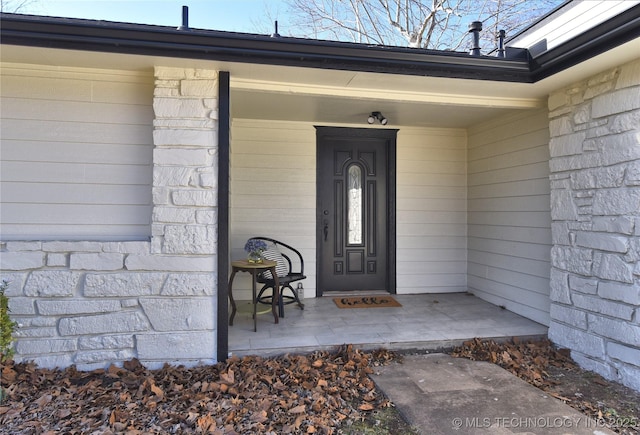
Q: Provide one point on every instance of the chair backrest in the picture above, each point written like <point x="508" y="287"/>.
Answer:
<point x="289" y="253"/>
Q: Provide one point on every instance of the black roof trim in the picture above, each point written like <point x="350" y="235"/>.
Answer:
<point x="105" y="36"/>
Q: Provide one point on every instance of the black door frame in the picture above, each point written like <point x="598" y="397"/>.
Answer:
<point x="391" y="136"/>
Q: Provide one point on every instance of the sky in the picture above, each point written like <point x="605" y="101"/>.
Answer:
<point x="251" y="16"/>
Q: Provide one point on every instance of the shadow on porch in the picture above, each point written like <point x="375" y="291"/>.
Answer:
<point x="426" y="321"/>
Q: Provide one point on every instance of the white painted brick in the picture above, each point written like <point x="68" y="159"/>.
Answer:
<point x="568" y="315"/>
<point x="33" y="332"/>
<point x="173" y="215"/>
<point x="189" y="284"/>
<point x="23" y="246"/>
<point x="185" y="137"/>
<point x="160" y="195"/>
<point x="202" y="198"/>
<point x="171" y="176"/>
<point x="619" y="148"/>
<point x="123" y="284"/>
<point x="576" y="260"/>
<point x="36" y="347"/>
<point x="557" y="99"/>
<point x="598" y="178"/>
<point x="621" y="100"/>
<point x="587" y="160"/>
<point x="171" y="263"/>
<point x="613" y="224"/>
<point x="563" y="206"/>
<point x="200" y="73"/>
<point x="66" y="307"/>
<point x="599" y="89"/>
<point x="21" y="260"/>
<point x="184" y="123"/>
<point x="105" y="357"/>
<point x="181" y="345"/>
<point x="596" y="365"/>
<point x="20" y="306"/>
<point x="576" y="339"/>
<point x="181" y="157"/>
<point x="629" y="75"/>
<point x="582" y="114"/>
<point x="179" y="314"/>
<point x="583" y="285"/>
<point x="190" y="239"/>
<point x="50" y="283"/>
<point x="209" y="180"/>
<point x="165" y="73"/>
<point x="211" y="103"/>
<point x="103" y="324"/>
<point x="52" y="361"/>
<point x="129" y="303"/>
<point x="602" y="306"/>
<point x="106" y="342"/>
<point x="567" y="145"/>
<point x="560" y="233"/>
<point x="16" y="282"/>
<point x="612" y="267"/>
<point x="56" y="260"/>
<point x="614" y="329"/>
<point x="127" y="247"/>
<point x="616" y="202"/>
<point x="602" y="241"/>
<point x="96" y="261"/>
<point x="630" y="375"/>
<point x="625" y="122"/>
<point x="620" y="292"/>
<point x="72" y="246"/>
<point x="179" y="108"/>
<point x="559" y="287"/>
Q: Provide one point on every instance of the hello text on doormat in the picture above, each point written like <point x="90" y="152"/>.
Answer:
<point x="367" y="302"/>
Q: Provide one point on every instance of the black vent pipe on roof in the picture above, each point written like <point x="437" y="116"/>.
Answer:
<point x="185" y="18"/>
<point x="475" y="28"/>
<point x="501" y="50"/>
<point x="275" y="34"/>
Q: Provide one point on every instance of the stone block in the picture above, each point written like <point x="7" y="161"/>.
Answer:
<point x="67" y="307"/>
<point x="173" y="215"/>
<point x="619" y="148"/>
<point x="21" y="260"/>
<point x="165" y="107"/>
<point x="56" y="260"/>
<point x="595" y="304"/>
<point x="179" y="314"/>
<point x="612" y="267"/>
<point x="624" y="353"/>
<point x="15" y="281"/>
<point x="123" y="284"/>
<point x="21" y="306"/>
<point x="180" y="345"/>
<point x="598" y="178"/>
<point x="576" y="339"/>
<point x="72" y="246"/>
<point x="171" y="263"/>
<point x="189" y="284"/>
<point x="171" y="176"/>
<point x="127" y="247"/>
<point x="23" y="246"/>
<point x="184" y="124"/>
<point x="624" y="123"/>
<point x="596" y="365"/>
<point x="583" y="285"/>
<point x="52" y="283"/>
<point x="616" y="291"/>
<point x="569" y="316"/>
<point x="613" y="202"/>
<point x="96" y="261"/>
<point x="208" y="180"/>
<point x="33" y="332"/>
<point x="123" y="322"/>
<point x="129" y="303"/>
<point x="621" y="100"/>
<point x="181" y="157"/>
<point x="598" y="89"/>
<point x="43" y="347"/>
<point x="567" y="145"/>
<point x="560" y="233"/>
<point x="169" y="73"/>
<point x="52" y="361"/>
<point x="629" y="375"/>
<point x="207" y="217"/>
<point x="570" y="163"/>
<point x="200" y="198"/>
<point x="189" y="239"/>
<point x="576" y="260"/>
<point x="614" y="329"/>
<point x="199" y="88"/>
<point x="106" y="342"/>
<point x="563" y="206"/>
<point x="629" y="75"/>
<point x="559" y="287"/>
<point x="557" y="99"/>
<point x="185" y="137"/>
<point x="106" y="357"/>
<point x="602" y="241"/>
<point x="613" y="224"/>
<point x="200" y="73"/>
<point x="160" y="195"/>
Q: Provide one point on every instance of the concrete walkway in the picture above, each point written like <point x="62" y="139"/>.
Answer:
<point x="439" y="394"/>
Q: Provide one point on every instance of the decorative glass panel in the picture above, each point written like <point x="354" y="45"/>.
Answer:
<point x="354" y="205"/>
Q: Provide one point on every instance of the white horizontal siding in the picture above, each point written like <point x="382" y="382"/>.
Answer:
<point x="273" y="191"/>
<point x="431" y="211"/>
<point x="76" y="153"/>
<point x="509" y="223"/>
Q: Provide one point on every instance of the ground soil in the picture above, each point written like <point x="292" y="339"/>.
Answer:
<point x="320" y="392"/>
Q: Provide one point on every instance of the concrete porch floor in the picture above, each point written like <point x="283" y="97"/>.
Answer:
<point x="427" y="321"/>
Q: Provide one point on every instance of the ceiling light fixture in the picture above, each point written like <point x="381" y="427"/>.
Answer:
<point x="377" y="115"/>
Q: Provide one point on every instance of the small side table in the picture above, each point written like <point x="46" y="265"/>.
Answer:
<point x="254" y="269"/>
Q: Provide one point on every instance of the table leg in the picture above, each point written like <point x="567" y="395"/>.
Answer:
<point x="276" y="300"/>
<point x="233" y="303"/>
<point x="254" y="300"/>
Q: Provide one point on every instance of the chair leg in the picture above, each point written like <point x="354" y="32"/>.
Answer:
<point x="295" y="296"/>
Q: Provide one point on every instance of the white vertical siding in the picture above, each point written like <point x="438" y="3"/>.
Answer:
<point x="509" y="220"/>
<point x="273" y="190"/>
<point x="431" y="211"/>
<point x="76" y="153"/>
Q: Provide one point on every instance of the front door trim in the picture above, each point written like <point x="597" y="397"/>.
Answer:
<point x="390" y="134"/>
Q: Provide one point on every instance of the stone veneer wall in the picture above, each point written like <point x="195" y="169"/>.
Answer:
<point x="595" y="209"/>
<point x="94" y="303"/>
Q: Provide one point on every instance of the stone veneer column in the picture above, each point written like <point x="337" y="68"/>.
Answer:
<point x="93" y="303"/>
<point x="595" y="211"/>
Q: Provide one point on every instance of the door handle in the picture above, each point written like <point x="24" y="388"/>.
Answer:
<point x="325" y="229"/>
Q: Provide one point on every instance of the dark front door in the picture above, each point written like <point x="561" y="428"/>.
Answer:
<point x="355" y="209"/>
